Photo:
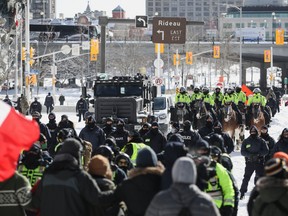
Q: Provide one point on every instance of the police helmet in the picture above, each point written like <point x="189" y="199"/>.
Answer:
<point x="217" y="89"/>
<point x="182" y="90"/>
<point x="196" y="89"/>
<point x="64" y="134"/>
<point x="238" y="89"/>
<point x="230" y="91"/>
<point x="218" y="141"/>
<point x="205" y="90"/>
<point x="215" y="152"/>
<point x="256" y="90"/>
<point x="105" y="151"/>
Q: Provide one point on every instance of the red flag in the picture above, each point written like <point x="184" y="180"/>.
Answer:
<point x="247" y="91"/>
<point x="17" y="133"/>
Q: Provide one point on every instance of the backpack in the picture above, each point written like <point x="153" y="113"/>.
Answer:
<point x="184" y="211"/>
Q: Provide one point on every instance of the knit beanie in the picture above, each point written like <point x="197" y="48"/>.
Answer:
<point x="281" y="155"/>
<point x="155" y="124"/>
<point x="99" y="165"/>
<point x="275" y="167"/>
<point x="146" y="158"/>
<point x="71" y="146"/>
<point x="253" y="129"/>
<point x="184" y="171"/>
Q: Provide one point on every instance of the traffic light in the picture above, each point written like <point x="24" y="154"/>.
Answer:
<point x="176" y="59"/>
<point x="94" y="49"/>
<point x="23" y="54"/>
<point x="280" y="36"/>
<point x="32" y="53"/>
<point x="189" y="58"/>
<point x="267" y="56"/>
<point x="216" y="51"/>
<point x="161" y="48"/>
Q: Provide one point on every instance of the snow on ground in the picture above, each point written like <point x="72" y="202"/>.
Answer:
<point x="280" y="121"/>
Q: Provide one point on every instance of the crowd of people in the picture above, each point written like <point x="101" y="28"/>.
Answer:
<point x="113" y="171"/>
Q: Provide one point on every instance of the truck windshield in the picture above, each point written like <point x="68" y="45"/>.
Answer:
<point x="159" y="103"/>
<point x="117" y="90"/>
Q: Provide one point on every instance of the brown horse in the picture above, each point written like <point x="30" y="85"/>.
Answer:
<point x="229" y="120"/>
<point x="258" y="118"/>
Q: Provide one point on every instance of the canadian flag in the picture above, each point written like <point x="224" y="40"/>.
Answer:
<point x="17" y="133"/>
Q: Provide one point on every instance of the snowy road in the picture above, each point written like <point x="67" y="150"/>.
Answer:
<point x="280" y="121"/>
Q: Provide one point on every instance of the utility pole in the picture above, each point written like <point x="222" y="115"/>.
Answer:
<point x="27" y="45"/>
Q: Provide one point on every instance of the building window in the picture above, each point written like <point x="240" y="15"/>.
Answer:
<point x="158" y="4"/>
<point x="182" y="3"/>
<point x="190" y="14"/>
<point x="227" y="25"/>
<point x="190" y="3"/>
<point x="237" y="25"/>
<point x="150" y="4"/>
<point x="286" y="25"/>
<point x="182" y="14"/>
<point x="166" y="9"/>
<point x="174" y="9"/>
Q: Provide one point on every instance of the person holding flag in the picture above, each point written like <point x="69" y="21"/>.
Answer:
<point x="17" y="133"/>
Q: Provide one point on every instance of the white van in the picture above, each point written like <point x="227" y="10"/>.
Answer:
<point x="161" y="109"/>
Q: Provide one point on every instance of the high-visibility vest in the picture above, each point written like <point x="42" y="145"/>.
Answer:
<point x="136" y="148"/>
<point x="33" y="175"/>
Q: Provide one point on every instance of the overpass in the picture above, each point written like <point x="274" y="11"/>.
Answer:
<point x="252" y="52"/>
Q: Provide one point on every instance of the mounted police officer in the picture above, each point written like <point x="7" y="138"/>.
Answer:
<point x="257" y="98"/>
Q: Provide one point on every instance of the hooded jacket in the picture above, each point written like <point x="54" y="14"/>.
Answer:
<point x="139" y="189"/>
<point x="254" y="147"/>
<point x="172" y="152"/>
<point x="96" y="136"/>
<point x="272" y="192"/>
<point x="169" y="202"/>
<point x="156" y="140"/>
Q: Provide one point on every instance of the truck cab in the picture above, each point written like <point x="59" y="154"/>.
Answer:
<point x="123" y="97"/>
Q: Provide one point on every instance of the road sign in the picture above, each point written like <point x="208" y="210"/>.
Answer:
<point x="169" y="30"/>
<point x="158" y="62"/>
<point x="141" y="21"/>
<point x="65" y="49"/>
<point x="158" y="81"/>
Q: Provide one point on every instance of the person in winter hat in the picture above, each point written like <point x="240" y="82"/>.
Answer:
<point x="123" y="161"/>
<point x="121" y="134"/>
<point x="144" y="129"/>
<point x="175" y="127"/>
<point x="264" y="134"/>
<point x="189" y="136"/>
<point x="143" y="183"/>
<point x="270" y="196"/>
<point x="183" y="195"/>
<point x="99" y="169"/>
<point x="254" y="149"/>
<point x="108" y="127"/>
<point x="51" y="199"/>
<point x="134" y="145"/>
<point x="172" y="152"/>
<point x="155" y="138"/>
<point x="92" y="133"/>
<point x="282" y="143"/>
<point x="208" y="128"/>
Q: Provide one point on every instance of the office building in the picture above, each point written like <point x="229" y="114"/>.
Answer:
<point x="43" y="9"/>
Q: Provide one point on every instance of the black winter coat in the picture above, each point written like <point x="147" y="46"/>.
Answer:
<point x="65" y="189"/>
<point x="35" y="106"/>
<point x="157" y="141"/>
<point x="281" y="146"/>
<point x="190" y="137"/>
<point x="121" y="137"/>
<point x="138" y="191"/>
<point x="96" y="136"/>
<point x="49" y="101"/>
<point x="270" y="143"/>
<point x="228" y="142"/>
<point x="204" y="131"/>
<point x="254" y="148"/>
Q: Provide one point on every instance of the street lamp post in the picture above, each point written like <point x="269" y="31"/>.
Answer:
<point x="272" y="26"/>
